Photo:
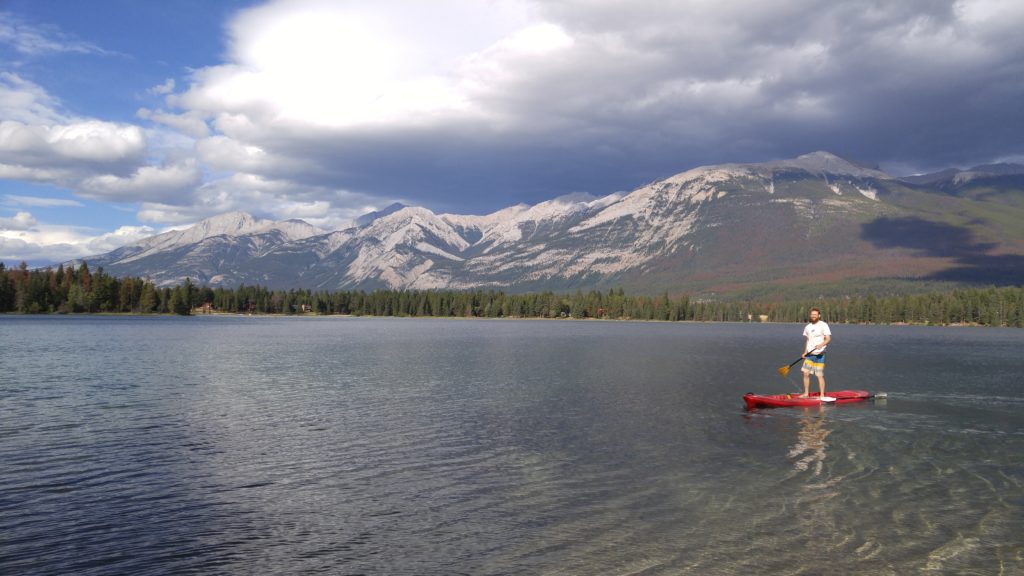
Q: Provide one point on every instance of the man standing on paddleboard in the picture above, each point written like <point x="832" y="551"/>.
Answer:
<point x="818" y="336"/>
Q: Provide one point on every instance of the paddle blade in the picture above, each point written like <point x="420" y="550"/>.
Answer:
<point x="785" y="369"/>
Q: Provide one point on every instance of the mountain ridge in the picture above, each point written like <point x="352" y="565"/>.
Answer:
<point x="730" y="228"/>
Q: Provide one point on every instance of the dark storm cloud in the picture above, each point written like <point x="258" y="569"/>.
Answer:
<point x="639" y="91"/>
<point x="912" y="83"/>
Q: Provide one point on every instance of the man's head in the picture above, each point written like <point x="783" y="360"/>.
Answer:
<point x="815" y="315"/>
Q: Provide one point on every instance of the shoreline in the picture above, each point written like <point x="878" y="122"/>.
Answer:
<point x="310" y="315"/>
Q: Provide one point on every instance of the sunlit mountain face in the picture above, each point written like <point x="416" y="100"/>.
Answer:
<point x="816" y="224"/>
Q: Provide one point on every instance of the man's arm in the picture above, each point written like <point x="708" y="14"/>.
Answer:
<point x="828" y="338"/>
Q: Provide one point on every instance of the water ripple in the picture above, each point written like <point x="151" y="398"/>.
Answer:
<point x="347" y="446"/>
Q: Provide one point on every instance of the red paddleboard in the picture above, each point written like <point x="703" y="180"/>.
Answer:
<point x="782" y="400"/>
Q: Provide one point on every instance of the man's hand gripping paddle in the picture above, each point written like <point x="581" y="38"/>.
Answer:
<point x="785" y="369"/>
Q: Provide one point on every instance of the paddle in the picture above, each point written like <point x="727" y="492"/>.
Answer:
<point x="785" y="369"/>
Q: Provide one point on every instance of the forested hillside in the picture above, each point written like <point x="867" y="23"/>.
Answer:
<point x="79" y="290"/>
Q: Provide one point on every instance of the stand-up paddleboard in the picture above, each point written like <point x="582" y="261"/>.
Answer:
<point x="783" y="400"/>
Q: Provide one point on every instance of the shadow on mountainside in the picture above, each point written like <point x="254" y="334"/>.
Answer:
<point x="935" y="239"/>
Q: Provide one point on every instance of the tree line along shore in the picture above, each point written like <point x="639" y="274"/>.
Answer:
<point x="79" y="290"/>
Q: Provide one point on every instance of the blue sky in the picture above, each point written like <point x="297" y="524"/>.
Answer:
<point x="120" y="119"/>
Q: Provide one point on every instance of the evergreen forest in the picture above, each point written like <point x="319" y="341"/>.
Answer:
<point x="79" y="290"/>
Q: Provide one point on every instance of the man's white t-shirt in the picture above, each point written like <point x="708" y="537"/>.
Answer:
<point x="815" y="333"/>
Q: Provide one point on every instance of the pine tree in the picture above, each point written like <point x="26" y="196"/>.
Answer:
<point x="148" y="299"/>
<point x="179" y="302"/>
<point x="6" y="290"/>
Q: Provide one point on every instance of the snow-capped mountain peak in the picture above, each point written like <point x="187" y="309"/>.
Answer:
<point x="293" y="229"/>
<point x="239" y="224"/>
<point x="733" y="220"/>
<point x="230" y="223"/>
<point x="482" y="224"/>
<point x="371" y="216"/>
<point x="413" y="225"/>
<point x="827" y="163"/>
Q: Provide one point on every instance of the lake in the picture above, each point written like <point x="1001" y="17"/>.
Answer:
<point x="262" y="445"/>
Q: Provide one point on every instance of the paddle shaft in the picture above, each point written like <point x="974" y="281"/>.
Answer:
<point x="785" y="370"/>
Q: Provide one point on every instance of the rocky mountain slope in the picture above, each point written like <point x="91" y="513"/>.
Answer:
<point x="813" y="223"/>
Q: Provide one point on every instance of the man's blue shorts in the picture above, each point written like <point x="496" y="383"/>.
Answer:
<point x="814" y="364"/>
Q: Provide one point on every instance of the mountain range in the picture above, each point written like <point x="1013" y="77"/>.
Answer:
<point x="816" y="224"/>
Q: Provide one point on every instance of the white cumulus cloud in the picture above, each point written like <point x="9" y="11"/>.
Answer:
<point x="323" y="63"/>
<point x="166" y="88"/>
<point x="47" y="243"/>
<point x="24" y="101"/>
<point x="321" y="108"/>
<point x="88" y="141"/>
<point x="20" y="221"/>
<point x="191" y="123"/>
<point x="108" y="241"/>
<point x="40" y="142"/>
<point x="173" y="183"/>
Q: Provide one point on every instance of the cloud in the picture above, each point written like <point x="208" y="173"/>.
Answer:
<point x="16" y="200"/>
<point x="191" y="123"/>
<point x="326" y="109"/>
<point x="41" y="175"/>
<point x="29" y="39"/>
<point x="113" y="240"/>
<point x="64" y="154"/>
<point x="387" y="101"/>
<point x="88" y="141"/>
<point x="40" y="142"/>
<point x="45" y="244"/>
<point x="330" y="209"/>
<point x="20" y="221"/>
<point x="172" y="183"/>
<point x="314" y="62"/>
<point x="24" y="101"/>
<point x="223" y="153"/>
<point x="35" y="247"/>
<point x="96" y="159"/>
<point x="166" y="88"/>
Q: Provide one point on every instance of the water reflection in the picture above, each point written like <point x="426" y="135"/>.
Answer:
<point x="377" y="446"/>
<point x="809" y="450"/>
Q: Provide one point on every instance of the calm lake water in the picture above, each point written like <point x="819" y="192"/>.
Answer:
<point x="249" y="445"/>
